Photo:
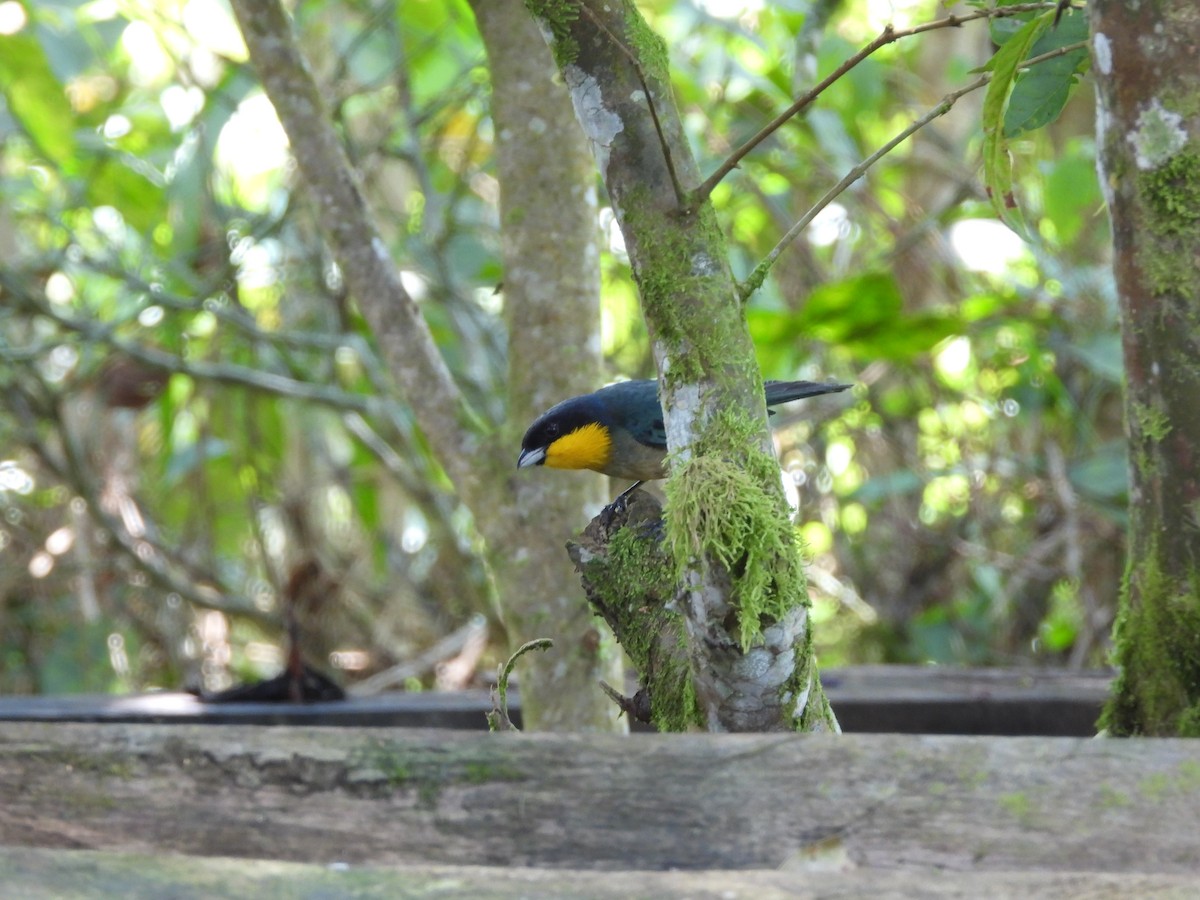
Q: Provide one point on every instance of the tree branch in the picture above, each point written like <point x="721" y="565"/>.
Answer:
<point x="889" y="35"/>
<point x="404" y="339"/>
<point x="552" y="312"/>
<point x="641" y="74"/>
<point x="754" y="281"/>
<point x="221" y="373"/>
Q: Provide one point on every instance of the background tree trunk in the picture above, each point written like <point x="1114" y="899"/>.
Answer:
<point x="552" y="306"/>
<point x="552" y="291"/>
<point x="1149" y="91"/>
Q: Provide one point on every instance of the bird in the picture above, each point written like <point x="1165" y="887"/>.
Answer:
<point x="619" y="431"/>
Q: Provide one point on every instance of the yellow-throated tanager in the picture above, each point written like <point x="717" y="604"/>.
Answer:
<point x="618" y="430"/>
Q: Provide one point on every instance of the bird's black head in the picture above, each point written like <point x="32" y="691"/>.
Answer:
<point x="572" y="435"/>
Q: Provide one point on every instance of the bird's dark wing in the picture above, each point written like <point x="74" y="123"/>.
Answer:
<point x="633" y="405"/>
<point x="654" y="433"/>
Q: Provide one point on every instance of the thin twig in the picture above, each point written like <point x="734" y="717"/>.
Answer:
<point x="222" y="373"/>
<point x="424" y="662"/>
<point x="498" y="719"/>
<point x="233" y="315"/>
<point x="756" y="278"/>
<point x="889" y="35"/>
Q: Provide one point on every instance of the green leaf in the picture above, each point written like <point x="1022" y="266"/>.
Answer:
<point x="36" y="98"/>
<point x="997" y="164"/>
<point x="366" y="504"/>
<point x="1042" y="91"/>
<point x="844" y="308"/>
<point x="983" y="306"/>
<point x="1003" y="28"/>
<point x="864" y="316"/>
<point x="1059" y="629"/>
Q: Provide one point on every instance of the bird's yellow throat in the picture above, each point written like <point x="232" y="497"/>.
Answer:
<point x="587" y="447"/>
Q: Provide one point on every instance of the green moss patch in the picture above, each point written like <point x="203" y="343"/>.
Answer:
<point x="720" y="511"/>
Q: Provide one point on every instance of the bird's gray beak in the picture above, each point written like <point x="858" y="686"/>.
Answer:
<point x="533" y="457"/>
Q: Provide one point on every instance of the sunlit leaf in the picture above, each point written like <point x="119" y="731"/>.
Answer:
<point x="983" y="306"/>
<point x="36" y="98"/>
<point x="910" y="337"/>
<point x="844" y="308"/>
<point x="139" y="200"/>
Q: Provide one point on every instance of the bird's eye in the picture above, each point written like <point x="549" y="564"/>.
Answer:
<point x="552" y="430"/>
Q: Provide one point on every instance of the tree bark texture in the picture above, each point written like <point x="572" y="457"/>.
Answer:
<point x="608" y="802"/>
<point x="552" y="305"/>
<point x="1148" y="130"/>
<point x="744" y="604"/>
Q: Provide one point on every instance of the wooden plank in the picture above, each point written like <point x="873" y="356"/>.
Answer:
<point x="83" y="875"/>
<point x="408" y="796"/>
<point x="951" y="700"/>
<point x="900" y="699"/>
<point x="457" y="709"/>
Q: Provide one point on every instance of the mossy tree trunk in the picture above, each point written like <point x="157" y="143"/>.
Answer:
<point x="1149" y="134"/>
<point x="552" y="307"/>
<point x="728" y="529"/>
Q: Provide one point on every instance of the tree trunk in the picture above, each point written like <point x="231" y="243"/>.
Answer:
<point x="552" y="284"/>
<point x="744" y="603"/>
<point x="552" y="305"/>
<point x="1149" y="135"/>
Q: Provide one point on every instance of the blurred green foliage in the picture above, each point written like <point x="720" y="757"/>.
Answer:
<point x="966" y="506"/>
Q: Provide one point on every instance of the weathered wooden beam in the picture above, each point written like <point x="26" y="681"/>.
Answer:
<point x="69" y="874"/>
<point x="693" y="801"/>
<point x="953" y="700"/>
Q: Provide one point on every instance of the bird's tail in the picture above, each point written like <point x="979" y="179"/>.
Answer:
<point x="783" y="391"/>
